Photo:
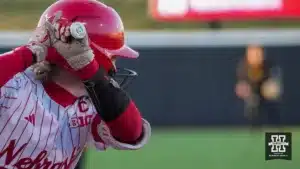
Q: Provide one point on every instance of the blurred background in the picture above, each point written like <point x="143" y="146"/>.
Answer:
<point x="190" y="85"/>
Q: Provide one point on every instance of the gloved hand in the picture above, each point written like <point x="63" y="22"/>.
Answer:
<point x="76" y="54"/>
<point x="39" y="45"/>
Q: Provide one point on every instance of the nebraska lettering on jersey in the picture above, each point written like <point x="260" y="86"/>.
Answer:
<point x="40" y="161"/>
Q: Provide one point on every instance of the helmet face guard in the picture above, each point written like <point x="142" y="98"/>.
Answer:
<point x="123" y="76"/>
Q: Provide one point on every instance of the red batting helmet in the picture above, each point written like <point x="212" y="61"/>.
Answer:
<point x="105" y="30"/>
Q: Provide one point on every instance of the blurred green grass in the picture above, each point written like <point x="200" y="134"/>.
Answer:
<point x="196" y="149"/>
<point x="24" y="14"/>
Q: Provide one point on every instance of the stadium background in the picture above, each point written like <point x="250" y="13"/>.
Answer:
<point x="203" y="130"/>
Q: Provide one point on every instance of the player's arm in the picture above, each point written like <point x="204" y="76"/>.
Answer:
<point x="119" y="113"/>
<point x="272" y="85"/>
<point x="11" y="63"/>
<point x="22" y="57"/>
<point x="242" y="87"/>
<point x="14" y="62"/>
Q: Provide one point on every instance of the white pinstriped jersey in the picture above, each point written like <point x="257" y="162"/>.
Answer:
<point x="36" y="132"/>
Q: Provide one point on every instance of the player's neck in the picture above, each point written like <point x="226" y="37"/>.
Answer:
<point x="69" y="82"/>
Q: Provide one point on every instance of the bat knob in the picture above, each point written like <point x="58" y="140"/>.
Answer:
<point x="78" y="30"/>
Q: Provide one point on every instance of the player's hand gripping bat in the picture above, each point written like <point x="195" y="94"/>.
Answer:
<point x="71" y="42"/>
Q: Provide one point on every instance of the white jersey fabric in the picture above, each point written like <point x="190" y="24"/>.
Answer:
<point x="38" y="133"/>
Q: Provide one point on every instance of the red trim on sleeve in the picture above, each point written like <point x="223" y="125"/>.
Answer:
<point x="14" y="62"/>
<point x="127" y="128"/>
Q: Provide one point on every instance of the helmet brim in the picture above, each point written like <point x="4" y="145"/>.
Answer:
<point x="125" y="52"/>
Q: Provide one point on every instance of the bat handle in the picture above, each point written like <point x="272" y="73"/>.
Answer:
<point x="78" y="30"/>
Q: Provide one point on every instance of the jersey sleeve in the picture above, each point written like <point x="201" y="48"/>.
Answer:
<point x="102" y="138"/>
<point x="10" y="91"/>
